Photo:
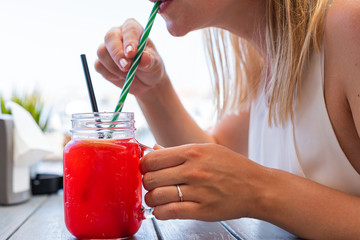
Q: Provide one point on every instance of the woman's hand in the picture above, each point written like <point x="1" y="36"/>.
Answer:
<point x="216" y="183"/>
<point x="116" y="55"/>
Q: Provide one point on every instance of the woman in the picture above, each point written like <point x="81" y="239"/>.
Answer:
<point x="286" y="148"/>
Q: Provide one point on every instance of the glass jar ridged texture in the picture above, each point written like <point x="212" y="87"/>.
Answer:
<point x="103" y="125"/>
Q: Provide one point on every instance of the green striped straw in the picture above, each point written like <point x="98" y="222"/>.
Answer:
<point x="131" y="74"/>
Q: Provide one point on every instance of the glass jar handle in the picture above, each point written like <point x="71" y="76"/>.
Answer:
<point x="147" y="211"/>
<point x="144" y="150"/>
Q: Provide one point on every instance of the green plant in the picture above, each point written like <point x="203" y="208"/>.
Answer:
<point x="3" y="109"/>
<point x="33" y="104"/>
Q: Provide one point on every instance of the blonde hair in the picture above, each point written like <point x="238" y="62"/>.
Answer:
<point x="293" y="28"/>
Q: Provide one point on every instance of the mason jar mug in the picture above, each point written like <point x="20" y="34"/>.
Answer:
<point x="102" y="181"/>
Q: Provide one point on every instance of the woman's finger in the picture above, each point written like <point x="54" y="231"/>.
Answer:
<point x="164" y="177"/>
<point x="115" y="47"/>
<point x="160" y="159"/>
<point x="116" y="80"/>
<point x="131" y="31"/>
<point x="107" y="61"/>
<point x="158" y="147"/>
<point x="146" y="61"/>
<point x="162" y="195"/>
<point x="168" y="194"/>
<point x="177" y="210"/>
<point x="99" y="67"/>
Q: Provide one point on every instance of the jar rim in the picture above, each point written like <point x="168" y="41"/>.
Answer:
<point x="121" y="115"/>
<point x="100" y="125"/>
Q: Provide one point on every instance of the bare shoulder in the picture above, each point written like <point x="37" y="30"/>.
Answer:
<point x="344" y="16"/>
<point x="342" y="38"/>
<point x="342" y="75"/>
<point x="342" y="24"/>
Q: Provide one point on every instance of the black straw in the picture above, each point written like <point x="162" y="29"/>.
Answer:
<point x="89" y="84"/>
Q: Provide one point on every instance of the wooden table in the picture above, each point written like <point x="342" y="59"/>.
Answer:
<point x="42" y="218"/>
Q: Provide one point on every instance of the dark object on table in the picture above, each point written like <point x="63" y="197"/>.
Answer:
<point x="46" y="184"/>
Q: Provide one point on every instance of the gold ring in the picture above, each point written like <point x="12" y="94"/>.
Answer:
<point x="181" y="196"/>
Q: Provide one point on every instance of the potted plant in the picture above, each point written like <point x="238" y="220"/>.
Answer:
<point x="33" y="104"/>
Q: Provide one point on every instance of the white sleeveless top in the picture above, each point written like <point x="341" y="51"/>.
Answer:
<point x="309" y="147"/>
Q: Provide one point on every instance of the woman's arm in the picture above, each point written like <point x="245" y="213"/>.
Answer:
<point x="308" y="209"/>
<point x="173" y="126"/>
<point x="168" y="120"/>
<point x="219" y="184"/>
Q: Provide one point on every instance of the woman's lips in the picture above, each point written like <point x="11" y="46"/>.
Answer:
<point x="164" y="5"/>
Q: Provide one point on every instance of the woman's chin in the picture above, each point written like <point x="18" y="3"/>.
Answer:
<point x="177" y="31"/>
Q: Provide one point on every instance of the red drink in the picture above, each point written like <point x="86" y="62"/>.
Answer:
<point x="102" y="188"/>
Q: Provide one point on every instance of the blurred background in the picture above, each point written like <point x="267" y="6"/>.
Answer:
<point x="40" y="46"/>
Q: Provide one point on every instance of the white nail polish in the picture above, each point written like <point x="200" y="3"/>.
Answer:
<point x="129" y="49"/>
<point x="123" y="62"/>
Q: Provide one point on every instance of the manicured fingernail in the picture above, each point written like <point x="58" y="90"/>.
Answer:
<point x="129" y="49"/>
<point x="123" y="63"/>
